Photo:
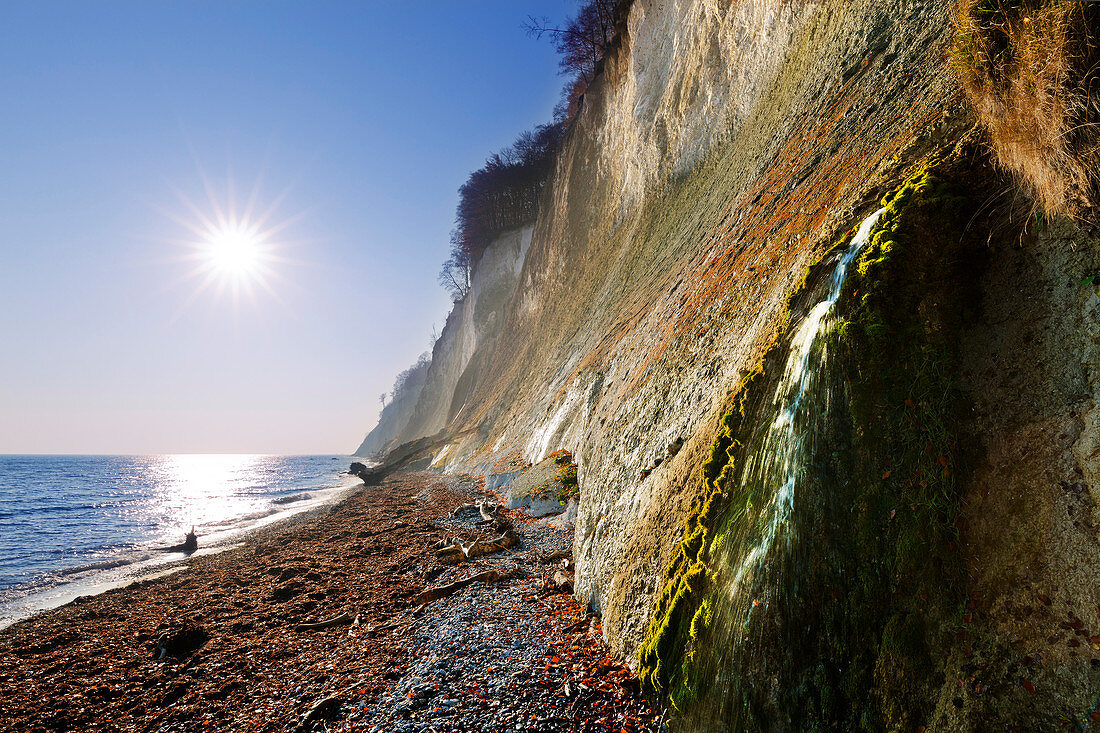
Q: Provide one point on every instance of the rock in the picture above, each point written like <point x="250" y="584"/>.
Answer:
<point x="180" y="643"/>
<point x="286" y="591"/>
<point x="563" y="580"/>
<point x="190" y="543"/>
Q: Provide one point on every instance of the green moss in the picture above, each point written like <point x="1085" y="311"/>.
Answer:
<point x="673" y="631"/>
<point x="865" y="596"/>
<point x="566" y="476"/>
<point x="895" y="564"/>
<point x="564" y="479"/>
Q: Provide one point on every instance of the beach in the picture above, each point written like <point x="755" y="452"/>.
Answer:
<point x="225" y="643"/>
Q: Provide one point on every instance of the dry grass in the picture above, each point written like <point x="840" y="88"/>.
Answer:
<point x="1030" y="67"/>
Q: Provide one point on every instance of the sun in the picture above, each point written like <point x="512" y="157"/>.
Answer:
<point x="239" y="253"/>
<point x="235" y="249"/>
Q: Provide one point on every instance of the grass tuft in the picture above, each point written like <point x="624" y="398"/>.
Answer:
<point x="1031" y="68"/>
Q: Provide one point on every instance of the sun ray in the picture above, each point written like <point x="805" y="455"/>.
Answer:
<point x="236" y="242"/>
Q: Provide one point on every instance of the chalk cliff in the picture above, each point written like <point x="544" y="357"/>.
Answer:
<point x="724" y="149"/>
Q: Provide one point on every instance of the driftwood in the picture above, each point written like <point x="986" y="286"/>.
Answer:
<point x="459" y="552"/>
<point x="453" y="552"/>
<point x="343" y="618"/>
<point x="442" y="591"/>
<point x="563" y="580"/>
<point x="322" y="709"/>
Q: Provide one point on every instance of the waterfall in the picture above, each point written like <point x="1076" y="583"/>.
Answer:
<point x="778" y="450"/>
<point x="787" y="475"/>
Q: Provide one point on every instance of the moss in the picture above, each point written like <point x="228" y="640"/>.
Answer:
<point x="563" y="484"/>
<point x="567" y="477"/>
<point x="863" y="600"/>
<point x="673" y="629"/>
<point x="895" y="564"/>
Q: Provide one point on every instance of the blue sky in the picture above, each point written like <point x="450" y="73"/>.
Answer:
<point x="368" y="116"/>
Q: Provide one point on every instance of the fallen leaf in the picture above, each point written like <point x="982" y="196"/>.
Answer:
<point x="1027" y="686"/>
<point x="886" y="474"/>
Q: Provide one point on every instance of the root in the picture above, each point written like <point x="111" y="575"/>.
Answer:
<point x="343" y="618"/>
<point x="487" y="576"/>
<point x="456" y="551"/>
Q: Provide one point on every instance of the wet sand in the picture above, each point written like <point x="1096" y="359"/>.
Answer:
<point x="218" y="647"/>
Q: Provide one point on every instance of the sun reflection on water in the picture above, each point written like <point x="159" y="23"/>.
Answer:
<point x="207" y="490"/>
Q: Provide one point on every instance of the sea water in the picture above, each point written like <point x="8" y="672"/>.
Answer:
<point x="73" y="525"/>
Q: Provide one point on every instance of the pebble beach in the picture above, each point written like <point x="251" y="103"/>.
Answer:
<point x="317" y="623"/>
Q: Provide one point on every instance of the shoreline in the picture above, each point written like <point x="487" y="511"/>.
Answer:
<point x="233" y="642"/>
<point x="150" y="560"/>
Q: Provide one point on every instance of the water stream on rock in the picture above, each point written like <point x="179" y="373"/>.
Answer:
<point x="778" y="456"/>
<point x="784" y="440"/>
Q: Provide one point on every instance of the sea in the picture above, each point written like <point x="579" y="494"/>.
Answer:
<point x="79" y="525"/>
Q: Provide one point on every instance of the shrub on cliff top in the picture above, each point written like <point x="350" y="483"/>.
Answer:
<point x="1030" y="68"/>
<point x="582" y="42"/>
<point x="504" y="193"/>
<point x="501" y="195"/>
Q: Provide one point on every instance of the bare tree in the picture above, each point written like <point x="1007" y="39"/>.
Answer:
<point x="583" y="40"/>
<point x="455" y="275"/>
<point x="504" y="193"/>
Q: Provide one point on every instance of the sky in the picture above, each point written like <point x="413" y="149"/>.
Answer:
<point x="126" y="125"/>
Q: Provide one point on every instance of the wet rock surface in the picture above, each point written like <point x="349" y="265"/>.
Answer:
<point x="227" y="644"/>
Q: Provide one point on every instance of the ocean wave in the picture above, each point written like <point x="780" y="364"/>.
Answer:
<point x="292" y="498"/>
<point x="111" y="564"/>
<point x="130" y="510"/>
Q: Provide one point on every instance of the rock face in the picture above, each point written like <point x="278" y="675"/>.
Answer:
<point x="471" y="332"/>
<point x="538" y="490"/>
<point x="473" y="325"/>
<point x="395" y="416"/>
<point x="725" y="147"/>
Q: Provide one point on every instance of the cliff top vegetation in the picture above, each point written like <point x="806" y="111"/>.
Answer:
<point x="1030" y="68"/>
<point x="504" y="193"/>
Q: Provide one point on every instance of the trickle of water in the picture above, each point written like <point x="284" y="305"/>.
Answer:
<point x="778" y="455"/>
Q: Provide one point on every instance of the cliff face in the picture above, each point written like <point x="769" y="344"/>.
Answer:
<point x="472" y="327"/>
<point x="471" y="332"/>
<point x="724" y="148"/>
<point x="393" y="419"/>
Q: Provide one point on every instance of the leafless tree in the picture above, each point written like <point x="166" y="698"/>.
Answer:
<point x="412" y="378"/>
<point x="583" y="40"/>
<point x="455" y="275"/>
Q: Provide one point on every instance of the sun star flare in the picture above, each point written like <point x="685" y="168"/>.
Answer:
<point x="235" y="249"/>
